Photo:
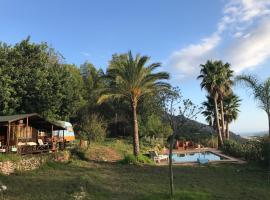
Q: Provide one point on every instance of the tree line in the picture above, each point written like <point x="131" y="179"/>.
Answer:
<point x="125" y="100"/>
<point x="36" y="78"/>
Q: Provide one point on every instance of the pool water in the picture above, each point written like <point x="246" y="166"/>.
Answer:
<point x="192" y="157"/>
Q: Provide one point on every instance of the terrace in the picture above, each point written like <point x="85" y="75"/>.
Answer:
<point x="29" y="133"/>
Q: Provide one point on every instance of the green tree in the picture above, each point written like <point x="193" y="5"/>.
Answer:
<point x="8" y="103"/>
<point x="33" y="79"/>
<point x="261" y="92"/>
<point x="225" y="90"/>
<point x="209" y="111"/>
<point x="93" y="80"/>
<point x="131" y="79"/>
<point x="92" y="127"/>
<point x="216" y="80"/>
<point x="156" y="128"/>
<point x="231" y="110"/>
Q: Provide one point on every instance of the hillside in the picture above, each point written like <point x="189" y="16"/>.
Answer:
<point x="195" y="127"/>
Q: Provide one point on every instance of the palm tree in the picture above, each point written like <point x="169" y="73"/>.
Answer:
<point x="231" y="110"/>
<point x="131" y="79"/>
<point x="261" y="92"/>
<point x="214" y="81"/>
<point x="209" y="111"/>
<point x="226" y="75"/>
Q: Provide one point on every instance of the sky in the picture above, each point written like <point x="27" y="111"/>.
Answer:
<point x="180" y="34"/>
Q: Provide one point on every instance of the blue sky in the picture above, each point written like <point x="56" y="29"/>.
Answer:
<point x="180" y="34"/>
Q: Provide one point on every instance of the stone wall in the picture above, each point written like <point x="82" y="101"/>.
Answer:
<point x="32" y="162"/>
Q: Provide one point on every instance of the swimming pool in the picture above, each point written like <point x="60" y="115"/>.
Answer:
<point x="193" y="156"/>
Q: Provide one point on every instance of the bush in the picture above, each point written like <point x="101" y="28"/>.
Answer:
<point x="141" y="159"/>
<point x="93" y="128"/>
<point x="233" y="148"/>
<point x="254" y="150"/>
<point x="266" y="150"/>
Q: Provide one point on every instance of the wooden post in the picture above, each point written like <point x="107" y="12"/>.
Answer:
<point x="53" y="145"/>
<point x="27" y="127"/>
<point x="63" y="139"/>
<point x="8" y="137"/>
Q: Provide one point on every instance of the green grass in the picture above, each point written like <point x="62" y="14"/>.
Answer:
<point x="101" y="180"/>
<point x="116" y="181"/>
<point x="11" y="157"/>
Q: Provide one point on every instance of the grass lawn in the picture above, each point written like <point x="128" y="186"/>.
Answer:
<point x="81" y="179"/>
<point x="89" y="180"/>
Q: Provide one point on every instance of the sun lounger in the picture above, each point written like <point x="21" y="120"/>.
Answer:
<point x="156" y="157"/>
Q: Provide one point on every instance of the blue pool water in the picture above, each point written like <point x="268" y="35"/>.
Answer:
<point x="192" y="157"/>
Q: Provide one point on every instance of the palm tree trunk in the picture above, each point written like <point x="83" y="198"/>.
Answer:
<point x="220" y="141"/>
<point x="136" y="147"/>
<point x="227" y="131"/>
<point x="222" y="119"/>
<point x="268" y="114"/>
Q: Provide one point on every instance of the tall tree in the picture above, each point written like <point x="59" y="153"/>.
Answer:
<point x="209" y="111"/>
<point x="225" y="89"/>
<point x="211" y="76"/>
<point x="261" y="92"/>
<point x="33" y="79"/>
<point x="231" y="110"/>
<point x="132" y="79"/>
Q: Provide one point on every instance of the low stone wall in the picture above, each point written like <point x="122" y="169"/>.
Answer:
<point x="32" y="162"/>
<point x="7" y="167"/>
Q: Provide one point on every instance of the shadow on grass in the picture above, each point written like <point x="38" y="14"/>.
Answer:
<point x="79" y="154"/>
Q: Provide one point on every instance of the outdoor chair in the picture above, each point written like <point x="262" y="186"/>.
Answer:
<point x="2" y="148"/>
<point x="42" y="145"/>
<point x="14" y="149"/>
<point x="156" y="157"/>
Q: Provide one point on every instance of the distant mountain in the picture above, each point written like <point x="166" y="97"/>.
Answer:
<point x="254" y="134"/>
<point x="193" y="126"/>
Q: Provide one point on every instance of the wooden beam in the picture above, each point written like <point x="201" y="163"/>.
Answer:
<point x="53" y="146"/>
<point x="8" y="137"/>
<point x="27" y="123"/>
<point x="63" y="139"/>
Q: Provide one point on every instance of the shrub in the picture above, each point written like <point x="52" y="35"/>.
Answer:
<point x="93" y="128"/>
<point x="141" y="159"/>
<point x="233" y="148"/>
<point x="266" y="150"/>
<point x="254" y="150"/>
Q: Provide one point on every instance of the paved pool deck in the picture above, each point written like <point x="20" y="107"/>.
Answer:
<point x="229" y="159"/>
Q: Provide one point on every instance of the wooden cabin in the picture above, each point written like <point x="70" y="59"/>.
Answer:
<point x="28" y="133"/>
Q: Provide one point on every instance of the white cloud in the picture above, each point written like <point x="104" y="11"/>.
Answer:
<point x="85" y="54"/>
<point x="244" y="10"/>
<point x="249" y="52"/>
<point x="187" y="60"/>
<point x="247" y="43"/>
<point x="238" y="34"/>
